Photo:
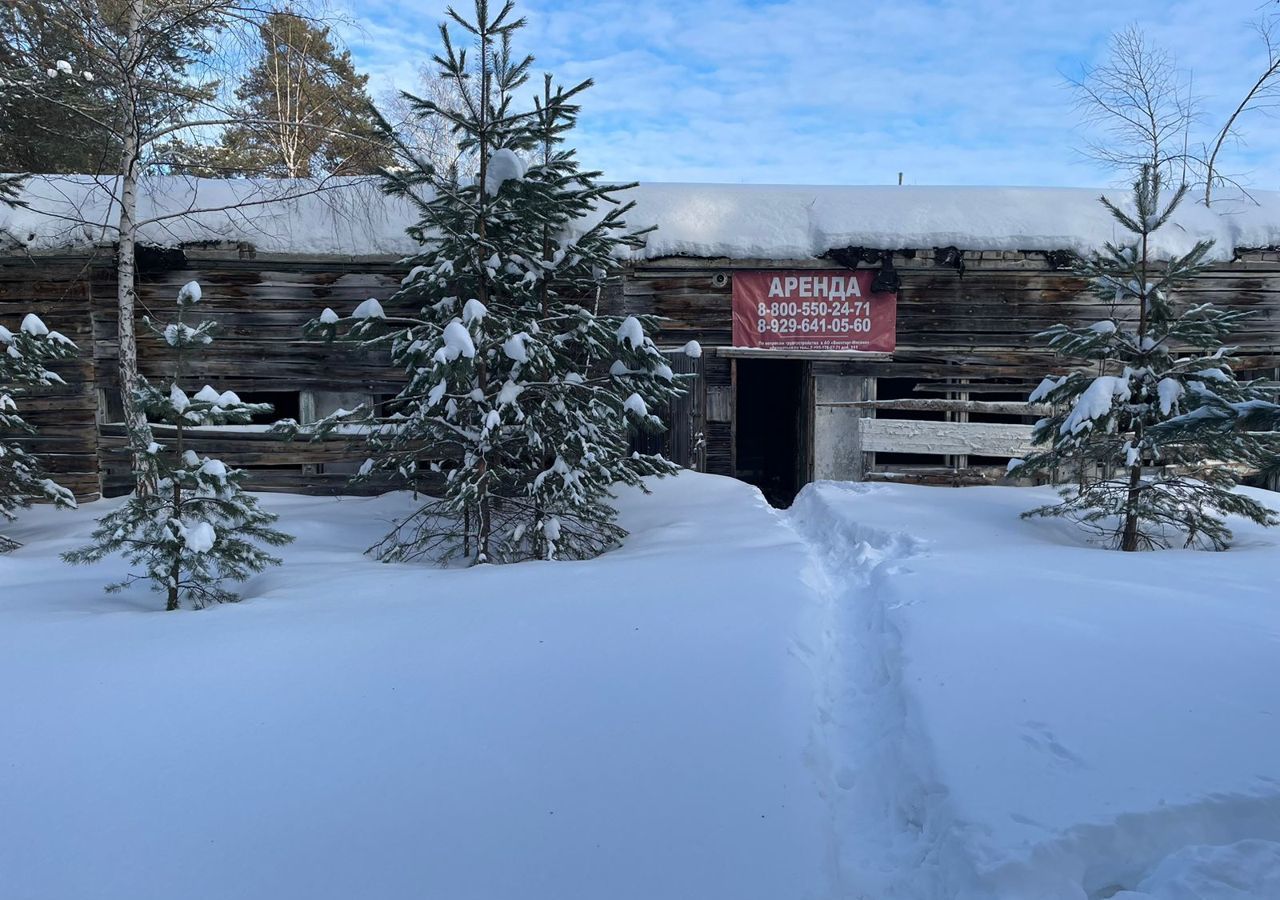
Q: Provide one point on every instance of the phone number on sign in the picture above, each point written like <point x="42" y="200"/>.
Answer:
<point x="813" y="326"/>
<point x="814" y="308"/>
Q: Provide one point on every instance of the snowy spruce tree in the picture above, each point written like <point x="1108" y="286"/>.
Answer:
<point x="521" y="398"/>
<point x="1152" y="466"/>
<point x="11" y="190"/>
<point x="23" y="359"/>
<point x="199" y="528"/>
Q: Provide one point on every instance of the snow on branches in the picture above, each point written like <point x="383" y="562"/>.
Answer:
<point x="198" y="528"/>
<point x="521" y="401"/>
<point x="1139" y="421"/>
<point x="24" y="356"/>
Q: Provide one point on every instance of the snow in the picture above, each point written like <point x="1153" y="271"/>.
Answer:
<point x="1044" y="388"/>
<point x="190" y="293"/>
<point x="508" y="393"/>
<point x="504" y="165"/>
<point x="413" y="274"/>
<point x="1169" y="390"/>
<point x="199" y="537"/>
<point x="513" y="348"/>
<point x="693" y="350"/>
<point x="1240" y="871"/>
<point x="473" y="311"/>
<point x="457" y="342"/>
<point x="369" y="309"/>
<point x="887" y="692"/>
<point x="350" y="217"/>
<point x="631" y="332"/>
<point x="214" y="468"/>
<point x="635" y="404"/>
<point x="63" y="66"/>
<point x="328" y="317"/>
<point x="1095" y="402"/>
<point x="34" y="326"/>
<point x="1035" y="717"/>
<point x="549" y="731"/>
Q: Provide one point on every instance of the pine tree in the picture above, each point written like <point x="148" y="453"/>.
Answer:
<point x="313" y="109"/>
<point x="1144" y="481"/>
<point x="199" y="527"/>
<point x="37" y="132"/>
<point x="23" y="357"/>
<point x="521" y="399"/>
<point x="11" y="190"/>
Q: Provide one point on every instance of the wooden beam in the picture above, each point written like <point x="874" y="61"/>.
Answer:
<point x="839" y="355"/>
<point x="943" y="438"/>
<point x="977" y="387"/>
<point x="1008" y="408"/>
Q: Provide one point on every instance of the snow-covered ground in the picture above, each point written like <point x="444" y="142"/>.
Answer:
<point x="885" y="692"/>
<point x="1055" y="721"/>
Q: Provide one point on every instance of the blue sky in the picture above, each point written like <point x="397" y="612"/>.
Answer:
<point x="830" y="92"/>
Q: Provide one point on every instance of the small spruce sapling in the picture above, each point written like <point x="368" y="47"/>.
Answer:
<point x="199" y="528"/>
<point x="521" y="399"/>
<point x="23" y="359"/>
<point x="1142" y="423"/>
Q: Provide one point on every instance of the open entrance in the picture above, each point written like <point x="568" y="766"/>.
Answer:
<point x="772" y="426"/>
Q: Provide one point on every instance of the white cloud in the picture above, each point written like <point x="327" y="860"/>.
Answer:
<point x="835" y="91"/>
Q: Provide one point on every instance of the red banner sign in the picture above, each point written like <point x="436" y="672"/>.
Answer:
<point x="813" y="310"/>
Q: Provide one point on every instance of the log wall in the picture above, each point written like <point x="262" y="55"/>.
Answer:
<point x="965" y="322"/>
<point x="61" y="291"/>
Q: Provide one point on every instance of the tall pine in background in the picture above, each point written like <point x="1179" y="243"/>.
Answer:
<point x="306" y="107"/>
<point x="198" y="528"/>
<point x="1157" y="361"/>
<point x="23" y="359"/>
<point x="521" y="399"/>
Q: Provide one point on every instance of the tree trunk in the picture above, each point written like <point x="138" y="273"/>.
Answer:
<point x="1129" y="538"/>
<point x="135" y="419"/>
<point x="484" y="523"/>
<point x="175" y="568"/>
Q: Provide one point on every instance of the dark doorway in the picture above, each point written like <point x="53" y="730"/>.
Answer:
<point x="284" y="405"/>
<point x="772" y="427"/>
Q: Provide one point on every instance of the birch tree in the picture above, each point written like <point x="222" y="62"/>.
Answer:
<point x="154" y="78"/>
<point x="1141" y="103"/>
<point x="1262" y="94"/>
<point x="1146" y="114"/>
<point x="318" y="114"/>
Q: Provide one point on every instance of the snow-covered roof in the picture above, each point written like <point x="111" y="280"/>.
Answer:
<point x="351" y="217"/>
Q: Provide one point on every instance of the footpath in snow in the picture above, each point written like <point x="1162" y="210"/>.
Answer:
<point x="1024" y="716"/>
<point x="884" y="693"/>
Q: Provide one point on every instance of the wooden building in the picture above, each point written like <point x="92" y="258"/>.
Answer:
<point x="979" y="271"/>
<point x="947" y="406"/>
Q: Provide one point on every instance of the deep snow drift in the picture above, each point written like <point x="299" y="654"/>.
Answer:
<point x="633" y="727"/>
<point x="886" y="692"/>
<point x="1061" y="721"/>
